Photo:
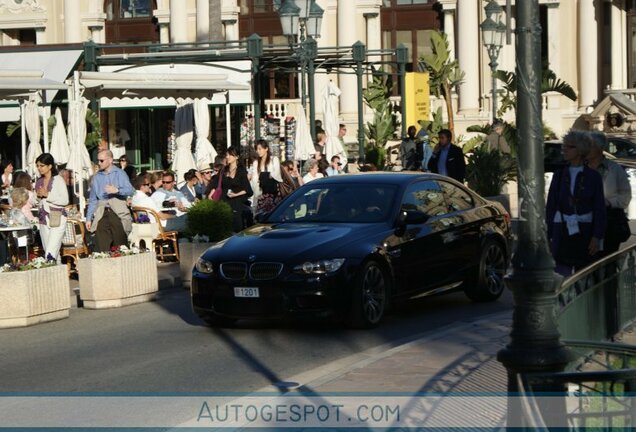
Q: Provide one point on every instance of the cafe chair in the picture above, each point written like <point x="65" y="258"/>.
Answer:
<point x="165" y="243"/>
<point x="74" y="244"/>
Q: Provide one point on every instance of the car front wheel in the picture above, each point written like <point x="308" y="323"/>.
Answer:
<point x="488" y="282"/>
<point x="369" y="297"/>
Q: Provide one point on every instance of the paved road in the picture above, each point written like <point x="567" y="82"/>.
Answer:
<point x="163" y="347"/>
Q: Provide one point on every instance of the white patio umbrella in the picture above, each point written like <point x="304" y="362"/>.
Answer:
<point x="332" y="126"/>
<point x="59" y="142"/>
<point x="79" y="161"/>
<point x="304" y="145"/>
<point x="204" y="151"/>
<point x="183" y="160"/>
<point x="32" y="125"/>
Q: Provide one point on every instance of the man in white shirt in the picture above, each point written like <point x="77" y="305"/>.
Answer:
<point x="168" y="193"/>
<point x="169" y="221"/>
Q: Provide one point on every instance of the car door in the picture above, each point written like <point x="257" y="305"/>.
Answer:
<point x="461" y="239"/>
<point x="415" y="253"/>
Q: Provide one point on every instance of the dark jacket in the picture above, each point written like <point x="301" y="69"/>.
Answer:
<point x="455" y="164"/>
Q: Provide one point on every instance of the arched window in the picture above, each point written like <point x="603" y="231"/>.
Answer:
<point x="130" y="21"/>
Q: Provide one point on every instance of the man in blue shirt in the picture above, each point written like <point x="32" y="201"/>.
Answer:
<point x="448" y="159"/>
<point x="108" y="215"/>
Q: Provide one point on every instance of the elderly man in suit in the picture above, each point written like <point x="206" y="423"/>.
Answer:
<point x="447" y="159"/>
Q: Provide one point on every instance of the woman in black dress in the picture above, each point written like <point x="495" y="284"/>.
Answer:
<point x="236" y="188"/>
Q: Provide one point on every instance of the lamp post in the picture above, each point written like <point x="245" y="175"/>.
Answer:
<point x="301" y="21"/>
<point x="493" y="31"/>
<point x="535" y="344"/>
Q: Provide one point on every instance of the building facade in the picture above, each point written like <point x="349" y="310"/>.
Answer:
<point x="590" y="44"/>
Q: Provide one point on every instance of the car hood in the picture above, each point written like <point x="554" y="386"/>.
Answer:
<point x="281" y="242"/>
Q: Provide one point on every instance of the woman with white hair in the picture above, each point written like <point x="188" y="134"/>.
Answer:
<point x="312" y="168"/>
<point x="575" y="211"/>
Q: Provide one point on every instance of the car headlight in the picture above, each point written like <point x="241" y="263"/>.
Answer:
<point x="320" y="267"/>
<point x="204" y="266"/>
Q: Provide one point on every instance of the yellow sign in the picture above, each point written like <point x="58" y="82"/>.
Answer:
<point x="417" y="98"/>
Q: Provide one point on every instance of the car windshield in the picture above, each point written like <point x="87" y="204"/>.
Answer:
<point x="337" y="202"/>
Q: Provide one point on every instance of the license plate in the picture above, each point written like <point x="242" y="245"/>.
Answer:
<point x="250" y="292"/>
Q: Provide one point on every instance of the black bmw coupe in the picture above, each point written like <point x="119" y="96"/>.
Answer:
<point x="351" y="246"/>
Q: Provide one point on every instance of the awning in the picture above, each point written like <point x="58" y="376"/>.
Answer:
<point x="53" y="67"/>
<point x="160" y="85"/>
<point x="20" y="83"/>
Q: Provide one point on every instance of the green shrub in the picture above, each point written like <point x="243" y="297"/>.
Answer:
<point x="488" y="171"/>
<point x="210" y="218"/>
<point x="375" y="155"/>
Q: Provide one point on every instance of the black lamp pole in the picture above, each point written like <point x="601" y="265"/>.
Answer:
<point x="534" y="340"/>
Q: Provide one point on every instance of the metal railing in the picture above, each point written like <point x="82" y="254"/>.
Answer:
<point x="599" y="386"/>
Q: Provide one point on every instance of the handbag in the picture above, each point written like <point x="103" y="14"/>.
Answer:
<point x="617" y="225"/>
<point x="55" y="218"/>
<point x="218" y="191"/>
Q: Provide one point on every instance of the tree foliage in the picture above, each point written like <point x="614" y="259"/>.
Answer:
<point x="377" y="96"/>
<point x="488" y="171"/>
<point x="444" y="73"/>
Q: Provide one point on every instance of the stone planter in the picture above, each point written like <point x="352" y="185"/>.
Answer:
<point x="34" y="296"/>
<point x="143" y="231"/>
<point x="189" y="253"/>
<point x="115" y="282"/>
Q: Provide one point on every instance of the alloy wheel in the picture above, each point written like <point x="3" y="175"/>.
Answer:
<point x="494" y="268"/>
<point x="373" y="294"/>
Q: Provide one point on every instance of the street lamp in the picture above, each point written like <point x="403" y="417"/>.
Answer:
<point x="301" y="21"/>
<point x="493" y="31"/>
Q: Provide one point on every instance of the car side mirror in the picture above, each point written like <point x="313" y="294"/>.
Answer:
<point x="410" y="217"/>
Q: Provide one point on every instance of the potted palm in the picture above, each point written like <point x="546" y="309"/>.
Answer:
<point x="488" y="171"/>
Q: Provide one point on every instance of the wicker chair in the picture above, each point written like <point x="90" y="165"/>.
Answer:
<point x="164" y="238"/>
<point x="74" y="244"/>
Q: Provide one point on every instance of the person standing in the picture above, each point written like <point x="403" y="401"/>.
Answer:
<point x="265" y="178"/>
<point x="408" y="151"/>
<point x="616" y="188"/>
<point x="236" y="190"/>
<point x="128" y="169"/>
<point x="447" y="159"/>
<point x="575" y="209"/>
<point x="7" y="175"/>
<point x="108" y="215"/>
<point x="52" y="196"/>
<point x="496" y="140"/>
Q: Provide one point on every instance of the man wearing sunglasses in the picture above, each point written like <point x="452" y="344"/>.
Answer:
<point x="169" y="197"/>
<point x="108" y="215"/>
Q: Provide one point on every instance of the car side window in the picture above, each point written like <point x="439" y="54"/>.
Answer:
<point x="425" y="196"/>
<point x="456" y="198"/>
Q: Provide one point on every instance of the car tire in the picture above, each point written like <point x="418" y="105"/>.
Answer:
<point x="488" y="282"/>
<point x="370" y="294"/>
<point x="214" y="320"/>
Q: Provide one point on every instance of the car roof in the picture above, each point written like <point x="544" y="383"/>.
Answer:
<point x="386" y="177"/>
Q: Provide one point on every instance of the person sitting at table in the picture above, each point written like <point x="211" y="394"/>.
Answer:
<point x="189" y="189"/>
<point x="24" y="180"/>
<point x="154" y="179"/>
<point x="53" y="196"/>
<point x="21" y="206"/>
<point x="141" y="199"/>
<point x="6" y="179"/>
<point x="167" y="197"/>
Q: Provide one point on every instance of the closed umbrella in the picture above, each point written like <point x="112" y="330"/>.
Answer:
<point x="79" y="161"/>
<point x="333" y="146"/>
<point x="183" y="160"/>
<point x="32" y="124"/>
<point x="304" y="145"/>
<point x="204" y="151"/>
<point x="59" y="142"/>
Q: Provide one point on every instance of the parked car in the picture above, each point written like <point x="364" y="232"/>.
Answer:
<point x="351" y="246"/>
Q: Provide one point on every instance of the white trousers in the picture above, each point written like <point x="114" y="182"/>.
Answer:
<point x="52" y="239"/>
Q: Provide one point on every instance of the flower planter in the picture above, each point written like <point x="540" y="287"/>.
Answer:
<point x="189" y="253"/>
<point x="143" y="231"/>
<point x="34" y="296"/>
<point x="120" y="281"/>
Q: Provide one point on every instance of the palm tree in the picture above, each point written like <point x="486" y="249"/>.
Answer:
<point x="444" y="73"/>
<point x="549" y="83"/>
